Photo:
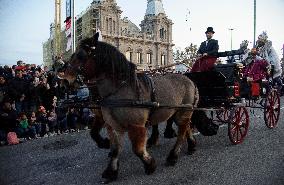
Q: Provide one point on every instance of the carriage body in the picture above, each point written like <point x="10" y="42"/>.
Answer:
<point x="225" y="86"/>
<point x="223" y="89"/>
<point x="219" y="87"/>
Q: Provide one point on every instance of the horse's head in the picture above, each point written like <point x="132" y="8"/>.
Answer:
<point x="80" y="64"/>
<point x="95" y="60"/>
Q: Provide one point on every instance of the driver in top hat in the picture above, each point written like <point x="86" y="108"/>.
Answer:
<point x="208" y="52"/>
<point x="209" y="47"/>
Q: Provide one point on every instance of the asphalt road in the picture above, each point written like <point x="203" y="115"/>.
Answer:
<point x="74" y="159"/>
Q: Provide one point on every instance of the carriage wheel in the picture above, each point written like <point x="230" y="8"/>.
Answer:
<point x="223" y="115"/>
<point x="238" y="125"/>
<point x="272" y="109"/>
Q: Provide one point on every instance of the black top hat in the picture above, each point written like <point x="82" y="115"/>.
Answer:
<point x="210" y="29"/>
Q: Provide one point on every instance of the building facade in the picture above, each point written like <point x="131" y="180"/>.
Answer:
<point x="149" y="46"/>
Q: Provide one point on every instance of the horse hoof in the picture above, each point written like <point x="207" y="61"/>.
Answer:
<point x="172" y="159"/>
<point x="106" y="181"/>
<point x="191" y="144"/>
<point x="104" y="143"/>
<point x="171" y="162"/>
<point x="152" y="142"/>
<point x="109" y="154"/>
<point x="170" y="133"/>
<point x="110" y="174"/>
<point x="150" y="168"/>
<point x="191" y="151"/>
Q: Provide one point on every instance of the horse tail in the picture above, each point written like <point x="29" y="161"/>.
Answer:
<point x="196" y="96"/>
<point x="195" y="104"/>
<point x="200" y="120"/>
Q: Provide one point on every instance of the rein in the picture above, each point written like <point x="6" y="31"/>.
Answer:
<point x="122" y="84"/>
<point x="130" y="103"/>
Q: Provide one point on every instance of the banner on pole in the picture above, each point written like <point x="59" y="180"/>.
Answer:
<point x="68" y="8"/>
<point x="68" y="33"/>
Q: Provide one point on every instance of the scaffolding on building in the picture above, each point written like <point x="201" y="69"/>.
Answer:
<point x="57" y="25"/>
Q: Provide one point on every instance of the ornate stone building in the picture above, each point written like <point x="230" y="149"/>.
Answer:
<point x="148" y="46"/>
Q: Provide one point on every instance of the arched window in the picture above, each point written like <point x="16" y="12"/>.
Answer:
<point x="162" y="33"/>
<point x="110" y="25"/>
<point x="128" y="54"/>
<point x="114" y="26"/>
<point x="139" y="57"/>
<point x="149" y="57"/>
<point x="163" y="59"/>
<point x="107" y="25"/>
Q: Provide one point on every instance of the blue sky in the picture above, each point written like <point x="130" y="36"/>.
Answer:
<point x="25" y="23"/>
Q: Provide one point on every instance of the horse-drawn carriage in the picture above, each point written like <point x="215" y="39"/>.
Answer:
<point x="225" y="91"/>
<point x="129" y="101"/>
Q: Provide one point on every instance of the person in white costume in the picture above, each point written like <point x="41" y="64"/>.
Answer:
<point x="267" y="52"/>
<point x="244" y="47"/>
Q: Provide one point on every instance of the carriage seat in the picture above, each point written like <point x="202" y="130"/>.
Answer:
<point x="230" y="71"/>
<point x="254" y="89"/>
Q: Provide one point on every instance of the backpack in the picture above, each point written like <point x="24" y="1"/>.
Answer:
<point x="12" y="138"/>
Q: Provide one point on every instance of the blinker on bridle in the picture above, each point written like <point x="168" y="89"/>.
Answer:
<point x="81" y="71"/>
<point x="91" y="49"/>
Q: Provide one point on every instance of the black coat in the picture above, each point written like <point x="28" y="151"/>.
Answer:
<point x="17" y="87"/>
<point x="211" y="48"/>
<point x="3" y="91"/>
<point x="8" y="120"/>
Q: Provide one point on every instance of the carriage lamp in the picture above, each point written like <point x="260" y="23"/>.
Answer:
<point x="233" y="91"/>
<point x="264" y="91"/>
<point x="255" y="89"/>
<point x="237" y="89"/>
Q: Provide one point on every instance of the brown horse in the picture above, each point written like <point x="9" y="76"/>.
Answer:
<point x="119" y="85"/>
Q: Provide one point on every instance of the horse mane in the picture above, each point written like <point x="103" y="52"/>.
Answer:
<point x="110" y="61"/>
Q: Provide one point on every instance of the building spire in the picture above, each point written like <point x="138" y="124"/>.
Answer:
<point x="154" y="7"/>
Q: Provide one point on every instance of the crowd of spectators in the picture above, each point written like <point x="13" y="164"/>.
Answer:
<point x="28" y="104"/>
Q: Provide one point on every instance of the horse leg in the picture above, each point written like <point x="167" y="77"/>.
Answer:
<point x="111" y="172"/>
<point x="173" y="155"/>
<point x="97" y="126"/>
<point x="191" y="142"/>
<point x="154" y="138"/>
<point x="137" y="135"/>
<point x="169" y="131"/>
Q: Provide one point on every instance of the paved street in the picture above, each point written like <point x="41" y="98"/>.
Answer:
<point x="75" y="159"/>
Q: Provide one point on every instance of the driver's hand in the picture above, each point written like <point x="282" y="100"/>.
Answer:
<point x="249" y="79"/>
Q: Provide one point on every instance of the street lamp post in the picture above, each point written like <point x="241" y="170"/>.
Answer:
<point x="283" y="52"/>
<point x="231" y="29"/>
<point x="254" y="22"/>
<point x="73" y="26"/>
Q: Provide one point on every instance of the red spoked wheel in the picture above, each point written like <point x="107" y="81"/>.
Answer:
<point x="223" y="115"/>
<point x="272" y="109"/>
<point x="238" y="125"/>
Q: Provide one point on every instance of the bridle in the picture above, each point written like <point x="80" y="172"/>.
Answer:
<point x="82" y="72"/>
